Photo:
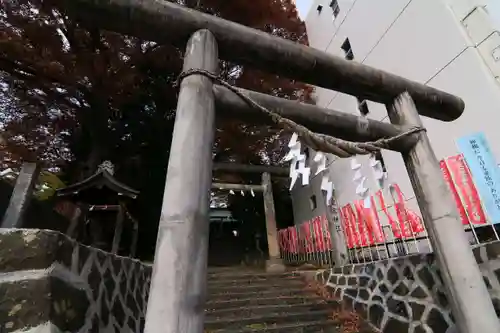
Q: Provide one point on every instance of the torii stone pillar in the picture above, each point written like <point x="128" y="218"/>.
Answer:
<point x="21" y="196"/>
<point x="274" y="263"/>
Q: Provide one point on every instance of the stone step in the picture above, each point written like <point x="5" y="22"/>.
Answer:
<point x="321" y="326"/>
<point x="277" y="293"/>
<point x="266" y="320"/>
<point x="251" y="276"/>
<point x="242" y="286"/>
<point x="278" y="308"/>
<point x="252" y="301"/>
<point x="231" y="269"/>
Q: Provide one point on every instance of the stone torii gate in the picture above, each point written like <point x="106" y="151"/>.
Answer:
<point x="178" y="287"/>
<point x="274" y="263"/>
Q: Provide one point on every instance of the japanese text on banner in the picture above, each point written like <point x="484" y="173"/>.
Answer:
<point x="481" y="162"/>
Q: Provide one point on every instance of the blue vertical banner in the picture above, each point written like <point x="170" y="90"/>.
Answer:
<point x="484" y="170"/>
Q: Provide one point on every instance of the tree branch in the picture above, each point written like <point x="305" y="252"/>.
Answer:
<point x="21" y="70"/>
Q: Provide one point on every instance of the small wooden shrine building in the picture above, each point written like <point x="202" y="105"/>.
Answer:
<point x="102" y="210"/>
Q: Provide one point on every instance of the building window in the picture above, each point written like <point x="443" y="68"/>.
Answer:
<point x="319" y="8"/>
<point x="346" y="47"/>
<point x="363" y="107"/>
<point x="349" y="55"/>
<point x="334" y="4"/>
<point x="312" y="202"/>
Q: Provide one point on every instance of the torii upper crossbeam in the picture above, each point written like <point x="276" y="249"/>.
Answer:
<point x="168" y="23"/>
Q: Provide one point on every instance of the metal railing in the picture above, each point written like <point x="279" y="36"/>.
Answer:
<point x="308" y="242"/>
<point x="381" y="230"/>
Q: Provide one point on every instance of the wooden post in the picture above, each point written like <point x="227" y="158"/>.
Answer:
<point x="178" y="287"/>
<point x="118" y="231"/>
<point x="338" y="243"/>
<point x="470" y="301"/>
<point x="135" y="237"/>
<point x="75" y="219"/>
<point x="274" y="264"/>
<point x="21" y="196"/>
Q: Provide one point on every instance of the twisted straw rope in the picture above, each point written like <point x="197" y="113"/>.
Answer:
<point x="316" y="141"/>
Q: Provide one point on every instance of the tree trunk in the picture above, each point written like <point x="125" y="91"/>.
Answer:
<point x="95" y="129"/>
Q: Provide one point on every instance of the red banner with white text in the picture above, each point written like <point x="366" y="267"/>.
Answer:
<point x="459" y="179"/>
<point x="310" y="237"/>
<point x="362" y="225"/>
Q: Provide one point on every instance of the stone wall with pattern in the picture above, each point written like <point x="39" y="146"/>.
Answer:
<point x="54" y="284"/>
<point x="406" y="294"/>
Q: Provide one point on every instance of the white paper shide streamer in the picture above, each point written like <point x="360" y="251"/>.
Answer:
<point x="297" y="162"/>
<point x="298" y="167"/>
<point x="359" y="180"/>
<point x="378" y="172"/>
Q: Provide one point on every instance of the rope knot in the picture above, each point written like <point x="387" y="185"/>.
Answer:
<point x="195" y="71"/>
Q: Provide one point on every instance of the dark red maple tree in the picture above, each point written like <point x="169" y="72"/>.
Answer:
<point x="71" y="84"/>
<point x="73" y="96"/>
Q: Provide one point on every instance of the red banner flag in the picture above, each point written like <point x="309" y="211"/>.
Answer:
<point x="373" y="227"/>
<point x="293" y="240"/>
<point x="319" y="235"/>
<point x="463" y="179"/>
<point x="410" y="223"/>
<point x="447" y="177"/>
<point x="305" y="232"/>
<point x="328" y="236"/>
<point x="283" y="240"/>
<point x="349" y="237"/>
<point x="394" y="226"/>
<point x="361" y="222"/>
<point x="352" y="231"/>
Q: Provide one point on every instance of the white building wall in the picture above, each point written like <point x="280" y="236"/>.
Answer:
<point x="447" y="44"/>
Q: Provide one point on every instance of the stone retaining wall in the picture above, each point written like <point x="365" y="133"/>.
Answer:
<point x="406" y="294"/>
<point x="52" y="283"/>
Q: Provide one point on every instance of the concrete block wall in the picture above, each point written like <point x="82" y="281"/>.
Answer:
<point x="50" y="283"/>
<point x="406" y="294"/>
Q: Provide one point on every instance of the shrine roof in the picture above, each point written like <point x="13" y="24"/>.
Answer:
<point x="102" y="178"/>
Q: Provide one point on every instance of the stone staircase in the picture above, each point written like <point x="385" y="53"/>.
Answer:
<point x="252" y="301"/>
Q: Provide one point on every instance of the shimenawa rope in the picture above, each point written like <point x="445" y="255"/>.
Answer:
<point x="316" y="141"/>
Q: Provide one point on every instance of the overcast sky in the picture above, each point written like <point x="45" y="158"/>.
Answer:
<point x="303" y="7"/>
